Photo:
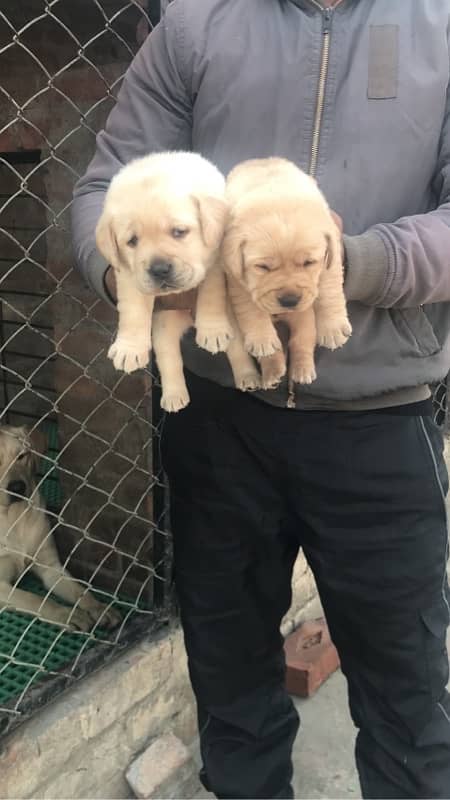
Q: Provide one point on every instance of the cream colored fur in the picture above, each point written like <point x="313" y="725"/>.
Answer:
<point x="27" y="544"/>
<point x="164" y="208"/>
<point x="282" y="242"/>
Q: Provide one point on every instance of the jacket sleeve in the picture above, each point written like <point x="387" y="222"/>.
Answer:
<point x="152" y="113"/>
<point x="406" y="263"/>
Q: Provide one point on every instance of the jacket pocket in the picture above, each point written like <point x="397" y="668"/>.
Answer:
<point x="416" y="330"/>
<point x="383" y="62"/>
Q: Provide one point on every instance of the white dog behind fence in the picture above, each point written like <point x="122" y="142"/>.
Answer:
<point x="27" y="544"/>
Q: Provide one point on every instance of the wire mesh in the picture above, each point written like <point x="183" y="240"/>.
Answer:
<point x="83" y="549"/>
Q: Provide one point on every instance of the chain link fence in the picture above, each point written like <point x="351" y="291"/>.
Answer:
<point x="91" y="501"/>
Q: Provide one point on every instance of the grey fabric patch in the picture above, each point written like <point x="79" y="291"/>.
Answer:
<point x="383" y="62"/>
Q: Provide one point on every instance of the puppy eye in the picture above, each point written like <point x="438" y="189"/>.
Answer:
<point x="133" y="241"/>
<point x="21" y="455"/>
<point x="179" y="233"/>
<point x="264" y="267"/>
<point x="309" y="263"/>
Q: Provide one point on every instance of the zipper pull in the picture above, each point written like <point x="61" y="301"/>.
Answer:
<point x="327" y="14"/>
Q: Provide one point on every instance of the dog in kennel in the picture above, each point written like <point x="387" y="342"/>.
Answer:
<point x="27" y="544"/>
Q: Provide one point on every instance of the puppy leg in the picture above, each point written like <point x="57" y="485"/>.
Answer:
<point x="86" y="610"/>
<point x="332" y="322"/>
<point x="14" y="599"/>
<point x="260" y="336"/>
<point x="245" y="372"/>
<point x="302" y="342"/>
<point x="213" y="328"/>
<point x="168" y="330"/>
<point x="131" y="347"/>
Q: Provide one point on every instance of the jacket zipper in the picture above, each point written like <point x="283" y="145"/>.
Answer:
<point x="327" y="14"/>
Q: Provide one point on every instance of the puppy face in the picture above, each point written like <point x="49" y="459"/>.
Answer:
<point x="279" y="255"/>
<point x="166" y="242"/>
<point x="17" y="465"/>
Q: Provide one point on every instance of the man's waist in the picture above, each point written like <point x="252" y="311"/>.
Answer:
<point x="218" y="385"/>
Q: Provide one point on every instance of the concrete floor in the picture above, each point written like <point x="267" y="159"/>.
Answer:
<point x="323" y="752"/>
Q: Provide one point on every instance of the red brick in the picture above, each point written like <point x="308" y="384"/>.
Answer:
<point x="311" y="658"/>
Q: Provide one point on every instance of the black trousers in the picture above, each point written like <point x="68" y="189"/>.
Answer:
<point x="363" y="495"/>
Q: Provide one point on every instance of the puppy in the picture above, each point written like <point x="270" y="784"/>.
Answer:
<point x="26" y="543"/>
<point x="282" y="253"/>
<point x="161" y="229"/>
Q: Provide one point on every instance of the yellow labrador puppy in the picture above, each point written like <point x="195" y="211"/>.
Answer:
<point x="161" y="230"/>
<point x="282" y="253"/>
<point x="26" y="543"/>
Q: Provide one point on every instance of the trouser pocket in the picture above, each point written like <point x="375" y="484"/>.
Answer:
<point x="435" y="621"/>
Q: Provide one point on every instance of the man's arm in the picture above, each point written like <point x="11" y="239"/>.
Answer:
<point x="406" y="263"/>
<point x="152" y="113"/>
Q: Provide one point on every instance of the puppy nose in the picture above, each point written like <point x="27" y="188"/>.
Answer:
<point x="289" y="300"/>
<point x="17" y="487"/>
<point x="160" y="269"/>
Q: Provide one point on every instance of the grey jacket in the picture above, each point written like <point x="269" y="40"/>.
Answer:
<point x="238" y="79"/>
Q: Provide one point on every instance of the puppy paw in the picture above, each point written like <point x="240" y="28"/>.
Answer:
<point x="248" y="381"/>
<point x="273" y="370"/>
<point x="303" y="372"/>
<point x="127" y="356"/>
<point x="175" y="400"/>
<point x="102" y="616"/>
<point x="75" y="619"/>
<point x="109" y="618"/>
<point x="262" y="346"/>
<point x="333" y="335"/>
<point x="214" y="338"/>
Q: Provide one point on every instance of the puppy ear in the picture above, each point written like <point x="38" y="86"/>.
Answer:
<point x="233" y="251"/>
<point x="212" y="214"/>
<point x="106" y="239"/>
<point x="34" y="440"/>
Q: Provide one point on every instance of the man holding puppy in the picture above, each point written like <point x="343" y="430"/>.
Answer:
<point x="355" y="93"/>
